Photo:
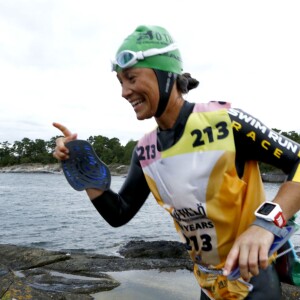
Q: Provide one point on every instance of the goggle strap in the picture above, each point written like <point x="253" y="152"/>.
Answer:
<point x="140" y="55"/>
<point x="156" y="51"/>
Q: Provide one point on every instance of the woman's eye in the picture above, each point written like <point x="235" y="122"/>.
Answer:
<point x="131" y="78"/>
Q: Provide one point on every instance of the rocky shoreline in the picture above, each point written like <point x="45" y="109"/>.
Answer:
<point x="115" y="169"/>
<point x="33" y="273"/>
<point x="273" y="177"/>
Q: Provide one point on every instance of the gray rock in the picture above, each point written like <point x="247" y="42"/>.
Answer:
<point x="156" y="249"/>
<point x="32" y="168"/>
<point x="30" y="273"/>
<point x="26" y="272"/>
<point x="115" y="169"/>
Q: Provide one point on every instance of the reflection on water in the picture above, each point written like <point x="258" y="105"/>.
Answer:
<point x="152" y="285"/>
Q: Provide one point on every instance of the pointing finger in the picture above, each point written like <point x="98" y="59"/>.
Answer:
<point x="65" y="131"/>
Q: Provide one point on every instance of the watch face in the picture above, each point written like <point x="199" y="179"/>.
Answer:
<point x="266" y="208"/>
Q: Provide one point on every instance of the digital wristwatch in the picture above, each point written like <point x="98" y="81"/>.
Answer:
<point x="271" y="212"/>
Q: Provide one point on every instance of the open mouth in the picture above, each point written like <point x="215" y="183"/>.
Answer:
<point x="136" y="102"/>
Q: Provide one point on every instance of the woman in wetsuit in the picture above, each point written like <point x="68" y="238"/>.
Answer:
<point x="201" y="165"/>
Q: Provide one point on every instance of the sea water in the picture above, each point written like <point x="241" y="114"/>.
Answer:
<point x="42" y="210"/>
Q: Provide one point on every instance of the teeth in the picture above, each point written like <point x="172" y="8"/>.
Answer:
<point x="134" y="103"/>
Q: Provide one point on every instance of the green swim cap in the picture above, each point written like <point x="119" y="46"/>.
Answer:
<point x="148" y="37"/>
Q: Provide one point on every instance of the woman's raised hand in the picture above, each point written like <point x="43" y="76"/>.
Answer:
<point x="61" y="151"/>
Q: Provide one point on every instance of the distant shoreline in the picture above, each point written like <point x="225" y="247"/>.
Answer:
<point x="273" y="177"/>
<point x="115" y="169"/>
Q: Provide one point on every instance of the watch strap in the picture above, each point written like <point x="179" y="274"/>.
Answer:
<point x="279" y="220"/>
<point x="270" y="226"/>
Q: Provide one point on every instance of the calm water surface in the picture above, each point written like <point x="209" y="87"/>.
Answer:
<point x="42" y="210"/>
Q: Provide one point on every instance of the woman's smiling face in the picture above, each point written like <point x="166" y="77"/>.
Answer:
<point x="140" y="89"/>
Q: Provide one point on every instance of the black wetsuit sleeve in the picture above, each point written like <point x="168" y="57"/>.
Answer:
<point x="255" y="141"/>
<point x="119" y="208"/>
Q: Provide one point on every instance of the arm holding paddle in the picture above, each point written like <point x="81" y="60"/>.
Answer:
<point x="85" y="171"/>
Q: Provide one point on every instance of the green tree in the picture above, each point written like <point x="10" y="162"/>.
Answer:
<point x="38" y="151"/>
<point x="117" y="149"/>
<point x="6" y="157"/>
<point x="50" y="147"/>
<point x="109" y="150"/>
<point x="101" y="146"/>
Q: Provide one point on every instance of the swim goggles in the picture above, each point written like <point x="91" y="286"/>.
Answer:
<point x="128" y="58"/>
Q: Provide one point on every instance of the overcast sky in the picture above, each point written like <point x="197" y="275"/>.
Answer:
<point x="55" y="61"/>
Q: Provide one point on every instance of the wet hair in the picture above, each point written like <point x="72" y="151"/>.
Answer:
<point x="185" y="82"/>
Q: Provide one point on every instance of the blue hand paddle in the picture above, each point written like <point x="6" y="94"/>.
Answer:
<point x="84" y="169"/>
